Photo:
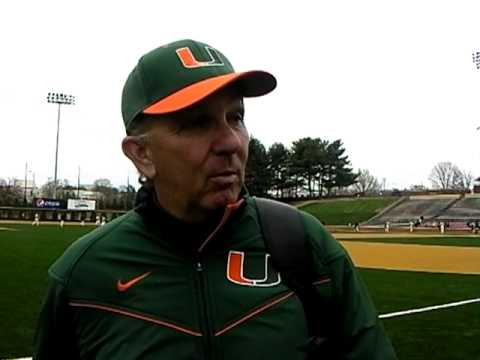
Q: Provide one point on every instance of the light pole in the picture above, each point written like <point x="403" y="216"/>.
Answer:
<point x="25" y="186"/>
<point x="78" y="184"/>
<point x="59" y="99"/>
<point x="33" y="184"/>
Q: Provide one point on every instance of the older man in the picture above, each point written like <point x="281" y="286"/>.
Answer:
<point x="186" y="274"/>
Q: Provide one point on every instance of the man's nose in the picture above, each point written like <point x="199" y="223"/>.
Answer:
<point x="227" y="139"/>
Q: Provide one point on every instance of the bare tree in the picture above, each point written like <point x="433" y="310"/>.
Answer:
<point x="102" y="183"/>
<point x="466" y="180"/>
<point x="109" y="195"/>
<point x="366" y="182"/>
<point x="418" y="188"/>
<point x="11" y="195"/>
<point x="446" y="176"/>
<point x="47" y="189"/>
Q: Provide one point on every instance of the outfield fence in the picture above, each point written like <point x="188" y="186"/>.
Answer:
<point x="28" y="214"/>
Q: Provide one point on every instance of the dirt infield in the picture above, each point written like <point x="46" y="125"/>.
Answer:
<point x="391" y="235"/>
<point x="430" y="258"/>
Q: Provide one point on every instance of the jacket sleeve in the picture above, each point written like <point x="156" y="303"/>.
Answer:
<point x="54" y="334"/>
<point x="357" y="332"/>
<point x="362" y="335"/>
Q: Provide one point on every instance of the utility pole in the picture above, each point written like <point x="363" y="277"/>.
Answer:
<point x="25" y="186"/>
<point x="127" y="195"/>
<point x="78" y="184"/>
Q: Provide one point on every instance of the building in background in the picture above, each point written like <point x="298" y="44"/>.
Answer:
<point x="476" y="186"/>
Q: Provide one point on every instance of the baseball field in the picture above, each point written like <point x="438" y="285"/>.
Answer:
<point x="426" y="288"/>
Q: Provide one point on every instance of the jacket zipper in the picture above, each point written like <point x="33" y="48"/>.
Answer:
<point x="205" y="318"/>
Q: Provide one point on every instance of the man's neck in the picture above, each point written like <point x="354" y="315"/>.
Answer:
<point x="192" y="217"/>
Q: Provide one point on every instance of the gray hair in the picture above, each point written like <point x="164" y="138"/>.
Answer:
<point x="140" y="125"/>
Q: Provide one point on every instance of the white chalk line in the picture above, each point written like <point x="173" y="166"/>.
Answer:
<point x="400" y="313"/>
<point x="428" y="308"/>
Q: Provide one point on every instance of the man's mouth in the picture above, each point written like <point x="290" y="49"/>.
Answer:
<point x="224" y="178"/>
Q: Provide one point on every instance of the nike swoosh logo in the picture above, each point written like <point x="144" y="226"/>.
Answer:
<point x="124" y="286"/>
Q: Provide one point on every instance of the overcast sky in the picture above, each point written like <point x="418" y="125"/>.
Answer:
<point x="393" y="79"/>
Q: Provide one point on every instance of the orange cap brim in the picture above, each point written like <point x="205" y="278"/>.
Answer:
<point x="253" y="83"/>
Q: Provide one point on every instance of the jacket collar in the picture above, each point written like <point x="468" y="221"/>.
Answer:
<point x="191" y="238"/>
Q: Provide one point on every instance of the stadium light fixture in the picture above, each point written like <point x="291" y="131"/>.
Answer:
<point x="476" y="59"/>
<point x="60" y="99"/>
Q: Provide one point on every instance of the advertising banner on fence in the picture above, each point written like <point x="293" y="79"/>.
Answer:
<point x="80" y="204"/>
<point x="45" y="203"/>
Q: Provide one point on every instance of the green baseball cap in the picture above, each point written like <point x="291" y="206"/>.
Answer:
<point x="175" y="76"/>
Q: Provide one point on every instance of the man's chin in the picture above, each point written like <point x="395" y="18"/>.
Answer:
<point x="221" y="199"/>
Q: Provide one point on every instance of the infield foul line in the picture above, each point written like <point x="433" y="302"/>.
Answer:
<point x="428" y="308"/>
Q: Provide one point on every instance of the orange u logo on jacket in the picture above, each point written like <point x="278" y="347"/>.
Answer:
<point x="235" y="273"/>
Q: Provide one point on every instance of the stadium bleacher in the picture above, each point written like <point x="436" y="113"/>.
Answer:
<point x="467" y="209"/>
<point x="414" y="207"/>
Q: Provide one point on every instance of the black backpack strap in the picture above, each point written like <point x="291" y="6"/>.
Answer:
<point x="284" y="236"/>
<point x="285" y="240"/>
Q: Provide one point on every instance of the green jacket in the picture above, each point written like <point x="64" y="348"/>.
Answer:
<point x="138" y="288"/>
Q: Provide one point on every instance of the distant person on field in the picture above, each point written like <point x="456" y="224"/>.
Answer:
<point x="36" y="220"/>
<point x="442" y="227"/>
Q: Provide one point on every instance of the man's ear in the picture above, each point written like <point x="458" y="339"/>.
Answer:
<point x="137" y="151"/>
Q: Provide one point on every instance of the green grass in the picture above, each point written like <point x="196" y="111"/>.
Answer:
<point x="448" y="334"/>
<point x="25" y="256"/>
<point x="402" y="290"/>
<point x="342" y="212"/>
<point x="473" y="241"/>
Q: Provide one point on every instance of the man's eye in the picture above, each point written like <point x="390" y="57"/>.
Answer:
<point x="200" y="122"/>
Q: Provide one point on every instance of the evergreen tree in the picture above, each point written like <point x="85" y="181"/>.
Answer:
<point x="258" y="177"/>
<point x="279" y="160"/>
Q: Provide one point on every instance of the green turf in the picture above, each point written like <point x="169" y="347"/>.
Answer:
<point x="402" y="290"/>
<point x="342" y="212"/>
<point x="473" y="241"/>
<point x="446" y="334"/>
<point x="26" y="254"/>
